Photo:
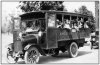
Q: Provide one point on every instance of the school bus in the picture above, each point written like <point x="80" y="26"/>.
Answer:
<point x="37" y="33"/>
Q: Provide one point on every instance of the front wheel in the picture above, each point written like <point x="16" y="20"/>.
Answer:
<point x="73" y="50"/>
<point x="32" y="55"/>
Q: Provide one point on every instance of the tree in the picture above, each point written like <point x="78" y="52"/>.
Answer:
<point x="76" y="11"/>
<point x="3" y="28"/>
<point x="28" y="6"/>
<point x="83" y="10"/>
<point x="7" y="27"/>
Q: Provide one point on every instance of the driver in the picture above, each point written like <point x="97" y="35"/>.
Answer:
<point x="29" y="28"/>
<point x="33" y="26"/>
<point x="26" y="29"/>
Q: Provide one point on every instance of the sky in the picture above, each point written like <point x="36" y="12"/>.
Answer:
<point x="71" y="6"/>
<point x="9" y="7"/>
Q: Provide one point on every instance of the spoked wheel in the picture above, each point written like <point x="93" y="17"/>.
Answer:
<point x="73" y="50"/>
<point x="32" y="56"/>
<point x="10" y="58"/>
<point x="56" y="52"/>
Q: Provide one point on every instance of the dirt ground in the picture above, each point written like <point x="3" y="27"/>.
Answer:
<point x="86" y="55"/>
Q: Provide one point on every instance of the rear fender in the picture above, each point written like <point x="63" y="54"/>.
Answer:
<point x="37" y="46"/>
<point x="69" y="43"/>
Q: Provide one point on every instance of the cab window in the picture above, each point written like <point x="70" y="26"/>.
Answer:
<point x="59" y="20"/>
<point x="51" y="20"/>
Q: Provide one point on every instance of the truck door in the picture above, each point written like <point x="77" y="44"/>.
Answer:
<point x="16" y="31"/>
<point x="51" y="32"/>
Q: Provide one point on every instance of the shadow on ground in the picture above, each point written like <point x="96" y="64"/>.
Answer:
<point x="83" y="53"/>
<point x="61" y="56"/>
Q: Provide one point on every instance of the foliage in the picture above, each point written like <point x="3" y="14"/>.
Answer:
<point x="28" y="6"/>
<point x="83" y="10"/>
<point x="7" y="27"/>
<point x="76" y="11"/>
<point x="3" y="28"/>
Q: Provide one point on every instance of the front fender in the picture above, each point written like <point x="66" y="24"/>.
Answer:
<point x="34" y="45"/>
<point x="28" y="46"/>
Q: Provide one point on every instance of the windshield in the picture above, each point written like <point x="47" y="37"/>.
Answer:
<point x="35" y="24"/>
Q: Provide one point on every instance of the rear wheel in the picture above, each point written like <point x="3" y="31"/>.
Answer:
<point x="32" y="55"/>
<point x="73" y="50"/>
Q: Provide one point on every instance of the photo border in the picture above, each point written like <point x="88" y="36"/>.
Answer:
<point x="48" y="0"/>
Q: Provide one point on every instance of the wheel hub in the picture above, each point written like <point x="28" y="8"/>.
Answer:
<point x="74" y="50"/>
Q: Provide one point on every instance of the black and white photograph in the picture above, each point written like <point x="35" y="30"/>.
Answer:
<point x="48" y="32"/>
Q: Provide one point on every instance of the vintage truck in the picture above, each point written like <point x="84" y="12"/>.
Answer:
<point x="44" y="37"/>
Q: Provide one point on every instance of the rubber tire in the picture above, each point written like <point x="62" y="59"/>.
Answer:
<point x="69" y="50"/>
<point x="27" y="52"/>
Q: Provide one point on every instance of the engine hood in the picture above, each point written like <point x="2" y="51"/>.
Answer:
<point x="30" y="36"/>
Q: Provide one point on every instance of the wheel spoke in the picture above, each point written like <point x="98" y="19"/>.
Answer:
<point x="29" y="59"/>
<point x="33" y="60"/>
<point x="32" y="56"/>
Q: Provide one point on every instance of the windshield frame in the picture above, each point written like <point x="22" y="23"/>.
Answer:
<point x="35" y="25"/>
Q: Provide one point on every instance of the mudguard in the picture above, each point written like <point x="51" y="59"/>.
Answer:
<point x="28" y="46"/>
<point x="34" y="45"/>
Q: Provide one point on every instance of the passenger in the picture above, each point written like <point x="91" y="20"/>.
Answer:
<point x="67" y="25"/>
<point x="79" y="24"/>
<point x="75" y="22"/>
<point x="69" y="22"/>
<point x="72" y="23"/>
<point x="59" y="24"/>
<point x="76" y="27"/>
<point x="82" y="23"/>
<point x="85" y="24"/>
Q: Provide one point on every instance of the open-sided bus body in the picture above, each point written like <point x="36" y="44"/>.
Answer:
<point x="45" y="37"/>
